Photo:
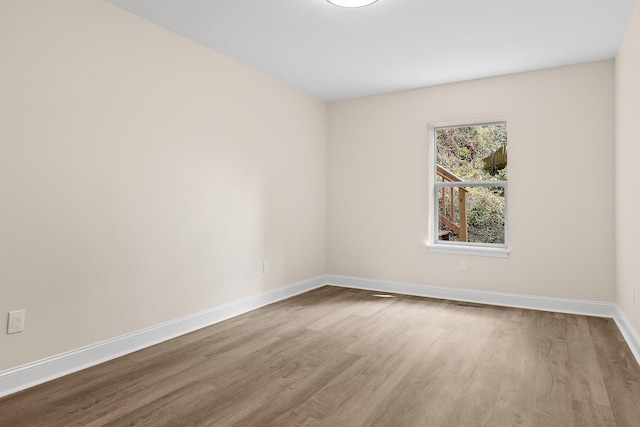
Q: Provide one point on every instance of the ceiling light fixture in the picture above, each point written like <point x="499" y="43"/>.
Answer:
<point x="352" y="3"/>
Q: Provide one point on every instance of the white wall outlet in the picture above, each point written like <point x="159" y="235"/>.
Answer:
<point x="265" y="267"/>
<point x="463" y="265"/>
<point x="16" y="322"/>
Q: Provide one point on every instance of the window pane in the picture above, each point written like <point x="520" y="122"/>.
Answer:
<point x="473" y="153"/>
<point x="471" y="214"/>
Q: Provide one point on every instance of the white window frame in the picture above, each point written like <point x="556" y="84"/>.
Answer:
<point x="500" y="250"/>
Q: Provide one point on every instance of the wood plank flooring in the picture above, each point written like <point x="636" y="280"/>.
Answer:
<point x="344" y="357"/>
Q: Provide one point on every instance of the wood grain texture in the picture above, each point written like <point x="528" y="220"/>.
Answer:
<point x="344" y="357"/>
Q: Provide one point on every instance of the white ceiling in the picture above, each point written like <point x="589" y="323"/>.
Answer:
<point x="336" y="53"/>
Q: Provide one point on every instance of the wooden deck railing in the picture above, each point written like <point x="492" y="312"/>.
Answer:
<point x="447" y="212"/>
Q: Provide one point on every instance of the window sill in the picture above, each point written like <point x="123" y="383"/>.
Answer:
<point x="468" y="250"/>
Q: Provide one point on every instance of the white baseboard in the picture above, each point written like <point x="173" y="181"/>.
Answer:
<point x="20" y="378"/>
<point x="560" y="305"/>
<point x="630" y="335"/>
<point x="23" y="377"/>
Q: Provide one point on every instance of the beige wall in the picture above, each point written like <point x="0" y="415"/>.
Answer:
<point x="143" y="177"/>
<point x="561" y="130"/>
<point x="627" y="157"/>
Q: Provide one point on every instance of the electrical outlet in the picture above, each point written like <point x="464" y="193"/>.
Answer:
<point x="16" y="322"/>
<point x="463" y="265"/>
<point x="265" y="267"/>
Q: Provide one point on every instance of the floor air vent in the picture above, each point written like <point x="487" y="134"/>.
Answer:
<point x="466" y="304"/>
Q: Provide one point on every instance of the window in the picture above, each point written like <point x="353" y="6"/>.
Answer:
<point x="468" y="187"/>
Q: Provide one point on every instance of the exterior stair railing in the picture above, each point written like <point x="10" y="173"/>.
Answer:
<point x="448" y="199"/>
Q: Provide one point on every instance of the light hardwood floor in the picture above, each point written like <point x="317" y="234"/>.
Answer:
<point x="344" y="357"/>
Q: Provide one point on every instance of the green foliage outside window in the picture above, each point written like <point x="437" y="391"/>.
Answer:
<point x="461" y="150"/>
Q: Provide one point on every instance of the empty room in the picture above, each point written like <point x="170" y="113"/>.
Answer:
<point x="319" y="213"/>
